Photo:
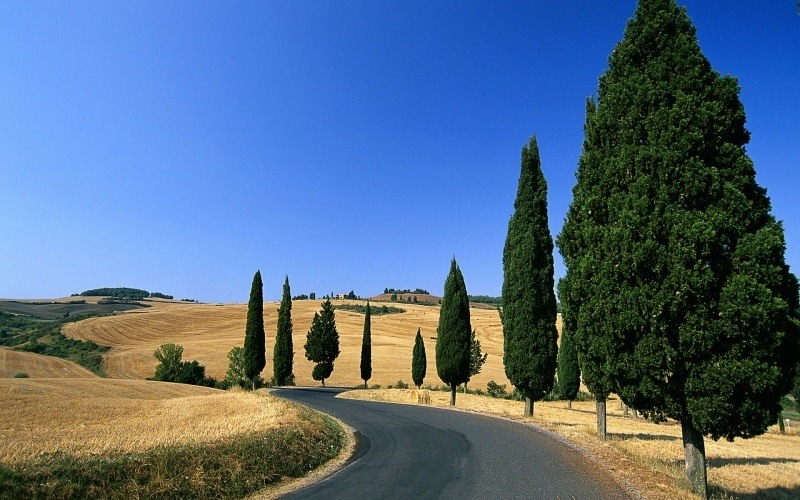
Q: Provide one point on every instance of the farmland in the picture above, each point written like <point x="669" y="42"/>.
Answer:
<point x="38" y="366"/>
<point x="207" y="332"/>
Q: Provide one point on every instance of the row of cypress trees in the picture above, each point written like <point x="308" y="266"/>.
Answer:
<point x="677" y="296"/>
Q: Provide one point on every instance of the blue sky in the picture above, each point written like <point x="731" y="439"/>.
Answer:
<point x="179" y="146"/>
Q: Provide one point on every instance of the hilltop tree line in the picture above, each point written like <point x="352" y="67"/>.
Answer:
<point x="419" y="291"/>
<point x="123" y="293"/>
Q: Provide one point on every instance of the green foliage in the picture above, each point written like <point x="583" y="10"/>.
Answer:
<point x="44" y="337"/>
<point x="419" y="361"/>
<point x="236" y="375"/>
<point x="399" y="385"/>
<point x="529" y="304"/>
<point x="322" y="342"/>
<point x="393" y="291"/>
<point x="20" y="375"/>
<point x="454" y="331"/>
<point x="158" y="295"/>
<point x="675" y="263"/>
<point x="476" y="357"/>
<point x="569" y="373"/>
<point x="171" y="367"/>
<point x="119" y="293"/>
<point x="283" y="355"/>
<point x="496" y="390"/>
<point x="233" y="468"/>
<point x="366" y="348"/>
<point x="486" y="299"/>
<point x="255" y="346"/>
<point x="374" y="310"/>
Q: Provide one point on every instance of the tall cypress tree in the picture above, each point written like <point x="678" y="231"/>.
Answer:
<point x="283" y="355"/>
<point x="689" y="286"/>
<point x="419" y="362"/>
<point x="322" y="342"/>
<point x="569" y="374"/>
<point x="366" y="348"/>
<point x="255" y="357"/>
<point x="529" y="304"/>
<point x="453" y="333"/>
<point x="582" y="229"/>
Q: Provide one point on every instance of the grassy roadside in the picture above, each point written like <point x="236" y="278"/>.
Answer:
<point x="231" y="468"/>
<point x="646" y="456"/>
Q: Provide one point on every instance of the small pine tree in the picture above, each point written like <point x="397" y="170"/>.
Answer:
<point x="254" y="341"/>
<point x="322" y="342"/>
<point x="283" y="355"/>
<point x="366" y="348"/>
<point x="419" y="362"/>
<point x="453" y="333"/>
<point x="529" y="304"/>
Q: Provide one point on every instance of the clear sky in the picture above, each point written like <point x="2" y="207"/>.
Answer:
<point x="179" y="146"/>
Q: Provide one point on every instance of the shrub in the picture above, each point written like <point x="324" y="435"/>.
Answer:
<point x="400" y="385"/>
<point x="19" y="375"/>
<point x="496" y="390"/>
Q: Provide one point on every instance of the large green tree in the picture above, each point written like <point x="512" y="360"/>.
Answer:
<point x="322" y="342"/>
<point x="453" y="333"/>
<point x="283" y="354"/>
<point x="582" y="229"/>
<point x="419" y="362"/>
<point x="366" y="348"/>
<point x="529" y="304"/>
<point x="688" y="286"/>
<point x="255" y="345"/>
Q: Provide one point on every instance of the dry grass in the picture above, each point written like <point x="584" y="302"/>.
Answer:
<point x="38" y="366"/>
<point x="646" y="455"/>
<point x="208" y="332"/>
<point x="99" y="416"/>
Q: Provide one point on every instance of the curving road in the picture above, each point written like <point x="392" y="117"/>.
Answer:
<point x="409" y="451"/>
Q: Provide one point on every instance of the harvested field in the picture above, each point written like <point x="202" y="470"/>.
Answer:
<point x="38" y="366"/>
<point x="646" y="455"/>
<point x="97" y="416"/>
<point x="208" y="332"/>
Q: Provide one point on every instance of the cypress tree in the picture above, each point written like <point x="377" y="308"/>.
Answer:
<point x="419" y="362"/>
<point x="322" y="342"/>
<point x="283" y="355"/>
<point x="255" y="357"/>
<point x="688" y="282"/>
<point x="569" y="374"/>
<point x="579" y="232"/>
<point x="453" y="332"/>
<point x="529" y="304"/>
<point x="366" y="348"/>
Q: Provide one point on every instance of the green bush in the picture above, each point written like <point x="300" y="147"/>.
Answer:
<point x="19" y="375"/>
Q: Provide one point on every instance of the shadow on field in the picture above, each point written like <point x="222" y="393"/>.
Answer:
<point x="646" y="437"/>
<point x="721" y="462"/>
<point x="776" y="492"/>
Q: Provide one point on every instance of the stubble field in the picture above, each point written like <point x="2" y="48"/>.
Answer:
<point x="38" y="366"/>
<point x="208" y="332"/>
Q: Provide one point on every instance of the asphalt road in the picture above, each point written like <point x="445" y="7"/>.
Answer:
<point x="409" y="451"/>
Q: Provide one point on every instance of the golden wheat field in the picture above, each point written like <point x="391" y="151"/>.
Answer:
<point x="644" y="454"/>
<point x="97" y="416"/>
<point x="207" y="332"/>
<point x="38" y="366"/>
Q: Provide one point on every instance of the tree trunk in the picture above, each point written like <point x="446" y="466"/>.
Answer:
<point x="600" y="404"/>
<point x="323" y="382"/>
<point x="781" y="423"/>
<point x="528" y="406"/>
<point x="365" y="384"/>
<point x="452" y="394"/>
<point x="635" y="413"/>
<point x="569" y="404"/>
<point x="694" y="452"/>
<point x="625" y="410"/>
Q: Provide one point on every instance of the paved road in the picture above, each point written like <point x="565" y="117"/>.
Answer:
<point x="407" y="451"/>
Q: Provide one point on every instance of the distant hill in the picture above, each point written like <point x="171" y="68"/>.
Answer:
<point x="422" y="298"/>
